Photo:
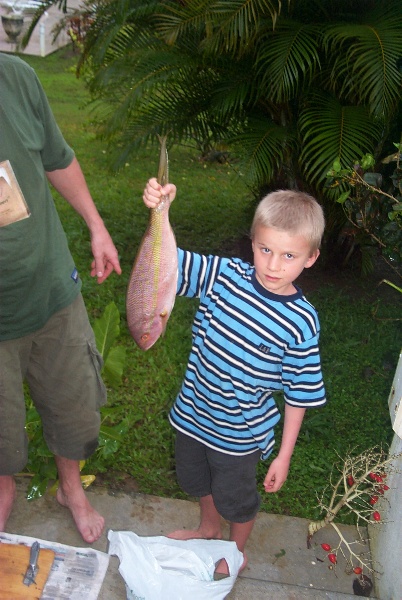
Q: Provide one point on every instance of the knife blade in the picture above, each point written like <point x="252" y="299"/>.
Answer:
<point x="32" y="568"/>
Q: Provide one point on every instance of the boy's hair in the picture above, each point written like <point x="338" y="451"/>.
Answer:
<point x="295" y="212"/>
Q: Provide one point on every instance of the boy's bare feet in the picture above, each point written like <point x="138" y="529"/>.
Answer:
<point x="89" y="522"/>
<point x="7" y="497"/>
<point x="222" y="568"/>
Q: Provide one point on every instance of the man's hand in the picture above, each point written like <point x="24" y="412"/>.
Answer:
<point x="106" y="258"/>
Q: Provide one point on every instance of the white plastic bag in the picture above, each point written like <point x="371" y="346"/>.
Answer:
<point x="159" y="568"/>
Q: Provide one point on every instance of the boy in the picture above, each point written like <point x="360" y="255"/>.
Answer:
<point x="253" y="334"/>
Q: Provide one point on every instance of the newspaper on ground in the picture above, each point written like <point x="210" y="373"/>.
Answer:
<point x="76" y="573"/>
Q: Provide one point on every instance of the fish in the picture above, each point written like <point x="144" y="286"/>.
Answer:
<point x="151" y="290"/>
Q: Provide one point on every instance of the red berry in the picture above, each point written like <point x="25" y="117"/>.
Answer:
<point x="358" y="570"/>
<point x="385" y="488"/>
<point x="376" y="516"/>
<point x="373" y="500"/>
<point x="378" y="478"/>
<point x="332" y="558"/>
<point x="350" y="480"/>
<point x="326" y="547"/>
<point x="373" y="476"/>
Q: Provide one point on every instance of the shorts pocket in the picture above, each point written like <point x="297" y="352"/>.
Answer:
<point x="97" y="361"/>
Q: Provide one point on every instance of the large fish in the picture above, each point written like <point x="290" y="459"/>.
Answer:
<point x="152" y="285"/>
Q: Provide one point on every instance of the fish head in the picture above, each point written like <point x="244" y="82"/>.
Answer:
<point x="149" y="331"/>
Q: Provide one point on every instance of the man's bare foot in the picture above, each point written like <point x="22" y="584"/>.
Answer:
<point x="7" y="497"/>
<point x="89" y="522"/>
<point x="199" y="534"/>
<point x="222" y="568"/>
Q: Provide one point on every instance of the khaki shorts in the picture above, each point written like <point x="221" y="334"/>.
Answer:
<point x="61" y="366"/>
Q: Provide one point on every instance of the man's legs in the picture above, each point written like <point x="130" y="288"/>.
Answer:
<point x="70" y="494"/>
<point x="62" y="368"/>
<point x="7" y="497"/>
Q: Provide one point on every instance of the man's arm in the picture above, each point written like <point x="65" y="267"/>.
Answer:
<point x="70" y="183"/>
<point x="279" y="468"/>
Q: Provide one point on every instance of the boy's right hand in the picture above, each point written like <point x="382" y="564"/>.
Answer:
<point x="154" y="192"/>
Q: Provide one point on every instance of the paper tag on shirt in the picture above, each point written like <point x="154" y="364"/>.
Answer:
<point x="13" y="207"/>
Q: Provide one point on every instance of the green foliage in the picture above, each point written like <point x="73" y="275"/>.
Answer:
<point x="370" y="206"/>
<point x="106" y="330"/>
<point x="286" y="88"/>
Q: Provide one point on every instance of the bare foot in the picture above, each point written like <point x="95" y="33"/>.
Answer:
<point x="89" y="522"/>
<point x="7" y="497"/>
<point x="222" y="568"/>
<point x="190" y="534"/>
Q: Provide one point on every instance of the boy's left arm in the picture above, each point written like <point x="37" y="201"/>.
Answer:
<point x="279" y="468"/>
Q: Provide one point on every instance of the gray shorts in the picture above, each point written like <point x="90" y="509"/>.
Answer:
<point x="231" y="480"/>
<point x="61" y="365"/>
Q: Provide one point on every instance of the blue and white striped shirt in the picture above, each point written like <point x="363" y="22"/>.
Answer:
<point x="247" y="344"/>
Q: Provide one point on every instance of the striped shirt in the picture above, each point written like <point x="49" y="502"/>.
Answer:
<point x="247" y="344"/>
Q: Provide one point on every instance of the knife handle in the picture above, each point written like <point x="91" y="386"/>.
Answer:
<point x="33" y="556"/>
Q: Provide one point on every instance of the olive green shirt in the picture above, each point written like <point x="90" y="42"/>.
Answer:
<point x="37" y="272"/>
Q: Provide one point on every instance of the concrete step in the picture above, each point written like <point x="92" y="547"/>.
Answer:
<point x="280" y="566"/>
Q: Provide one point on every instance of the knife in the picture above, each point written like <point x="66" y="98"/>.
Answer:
<point x="32" y="567"/>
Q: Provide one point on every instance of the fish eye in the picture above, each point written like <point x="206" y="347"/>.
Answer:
<point x="144" y="337"/>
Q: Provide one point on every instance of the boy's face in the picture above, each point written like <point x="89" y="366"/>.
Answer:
<point x="279" y="258"/>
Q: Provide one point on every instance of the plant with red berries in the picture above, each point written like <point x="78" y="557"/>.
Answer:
<point x="357" y="488"/>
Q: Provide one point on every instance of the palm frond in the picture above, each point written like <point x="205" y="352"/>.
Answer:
<point x="287" y="58"/>
<point x="367" y="56"/>
<point x="222" y="25"/>
<point x="263" y="147"/>
<point x="331" y="131"/>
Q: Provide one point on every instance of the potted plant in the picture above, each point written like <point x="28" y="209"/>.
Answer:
<point x="13" y="22"/>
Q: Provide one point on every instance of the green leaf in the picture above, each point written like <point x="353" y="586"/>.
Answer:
<point x="37" y="487"/>
<point x="114" y="366"/>
<point x="343" y="197"/>
<point x="373" y="179"/>
<point x="106" y="329"/>
<point x="367" y="162"/>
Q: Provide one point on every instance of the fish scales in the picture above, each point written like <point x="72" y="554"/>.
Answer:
<point x="152" y="284"/>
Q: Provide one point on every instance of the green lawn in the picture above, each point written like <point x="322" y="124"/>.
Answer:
<point x="360" y="343"/>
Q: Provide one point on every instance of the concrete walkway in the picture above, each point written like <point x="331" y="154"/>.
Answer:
<point x="280" y="565"/>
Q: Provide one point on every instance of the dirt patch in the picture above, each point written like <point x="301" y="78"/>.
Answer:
<point x="117" y="481"/>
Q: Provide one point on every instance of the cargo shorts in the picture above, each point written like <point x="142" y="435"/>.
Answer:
<point x="61" y="366"/>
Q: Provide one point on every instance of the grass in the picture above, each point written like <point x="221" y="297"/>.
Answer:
<point x="213" y="209"/>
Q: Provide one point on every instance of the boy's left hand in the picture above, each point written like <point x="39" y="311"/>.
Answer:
<point x="276" y="475"/>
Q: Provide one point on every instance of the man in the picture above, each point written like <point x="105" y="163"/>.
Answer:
<point x="45" y="336"/>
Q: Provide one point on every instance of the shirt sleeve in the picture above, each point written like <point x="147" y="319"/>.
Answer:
<point x="192" y="269"/>
<point x="301" y="375"/>
<point x="55" y="152"/>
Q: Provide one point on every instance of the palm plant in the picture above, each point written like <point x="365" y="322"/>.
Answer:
<point x="286" y="87"/>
